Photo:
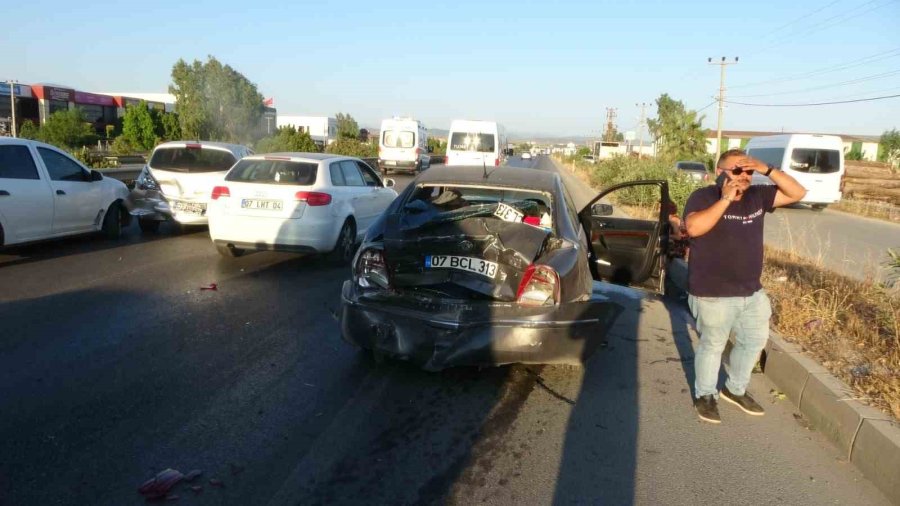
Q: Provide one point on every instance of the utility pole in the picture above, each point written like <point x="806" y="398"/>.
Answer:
<point x="722" y="64"/>
<point x="640" y="127"/>
<point x="610" y="124"/>
<point x="12" y="99"/>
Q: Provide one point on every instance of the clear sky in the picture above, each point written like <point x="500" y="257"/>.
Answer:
<point x="538" y="67"/>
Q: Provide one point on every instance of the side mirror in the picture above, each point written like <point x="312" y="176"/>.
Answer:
<point x="96" y="175"/>
<point x="389" y="183"/>
<point x="600" y="209"/>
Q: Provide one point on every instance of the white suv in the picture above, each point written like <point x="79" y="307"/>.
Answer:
<point x="45" y="193"/>
<point x="302" y="202"/>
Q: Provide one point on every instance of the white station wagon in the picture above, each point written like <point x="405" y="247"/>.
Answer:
<point x="45" y="193"/>
<point x="300" y="202"/>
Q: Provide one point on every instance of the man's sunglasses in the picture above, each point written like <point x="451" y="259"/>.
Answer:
<point x="737" y="171"/>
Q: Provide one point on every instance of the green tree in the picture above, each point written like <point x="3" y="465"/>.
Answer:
<point x="28" y="130"/>
<point x="582" y="151"/>
<point x="169" y="128"/>
<point x="889" y="146"/>
<point x="855" y="153"/>
<point x="67" y="129"/>
<point x="678" y="131"/>
<point x="287" y="139"/>
<point x="352" y="147"/>
<point x="438" y="147"/>
<point x="347" y="127"/>
<point x="139" y="127"/>
<point x="523" y="147"/>
<point x="215" y="102"/>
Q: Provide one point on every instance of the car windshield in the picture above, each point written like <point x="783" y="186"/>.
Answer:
<point x="274" y="172"/>
<point x="692" y="166"/>
<point x="817" y="161"/>
<point x="398" y="139"/>
<point x="436" y="204"/>
<point x="472" y="141"/>
<point x="192" y="159"/>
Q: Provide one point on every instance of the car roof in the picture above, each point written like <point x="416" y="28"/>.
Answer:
<point x="236" y="149"/>
<point x="296" y="156"/>
<point x="513" y="177"/>
<point x="27" y="142"/>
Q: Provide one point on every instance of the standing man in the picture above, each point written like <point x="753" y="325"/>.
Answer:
<point x="725" y="223"/>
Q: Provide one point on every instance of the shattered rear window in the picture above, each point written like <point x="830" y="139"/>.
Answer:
<point x="436" y="204"/>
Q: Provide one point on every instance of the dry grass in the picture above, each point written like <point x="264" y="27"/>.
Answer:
<point x="871" y="208"/>
<point x="851" y="327"/>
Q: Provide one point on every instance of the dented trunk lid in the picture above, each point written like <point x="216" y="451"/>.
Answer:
<point x="472" y="258"/>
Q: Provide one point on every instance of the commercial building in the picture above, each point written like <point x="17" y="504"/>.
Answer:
<point x="322" y="129"/>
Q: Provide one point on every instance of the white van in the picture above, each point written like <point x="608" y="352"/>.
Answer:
<point x="403" y="145"/>
<point x="476" y="143"/>
<point x="815" y="161"/>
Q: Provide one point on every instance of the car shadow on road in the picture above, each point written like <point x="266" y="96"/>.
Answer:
<point x="599" y="454"/>
<point x="79" y="245"/>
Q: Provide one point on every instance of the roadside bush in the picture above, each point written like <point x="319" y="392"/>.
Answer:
<point x="287" y="139"/>
<point x="621" y="169"/>
<point x="352" y="147"/>
<point x="67" y="129"/>
<point x="121" y="146"/>
<point x="92" y="160"/>
<point x="29" y="130"/>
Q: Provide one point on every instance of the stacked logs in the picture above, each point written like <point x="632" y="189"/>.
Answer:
<point x="871" y="181"/>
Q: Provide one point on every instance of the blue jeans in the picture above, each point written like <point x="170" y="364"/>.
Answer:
<point x="716" y="317"/>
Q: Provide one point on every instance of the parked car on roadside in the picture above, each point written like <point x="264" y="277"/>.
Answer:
<point x="526" y="155"/>
<point x="45" y="193"/>
<point x="475" y="267"/>
<point x="301" y="202"/>
<point x="177" y="181"/>
<point x="589" y="158"/>
<point x="696" y="170"/>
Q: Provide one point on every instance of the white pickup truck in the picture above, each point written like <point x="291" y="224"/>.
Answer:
<point x="45" y="193"/>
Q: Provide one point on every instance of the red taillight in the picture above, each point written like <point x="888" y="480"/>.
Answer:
<point x="539" y="286"/>
<point x="313" y="198"/>
<point x="418" y="151"/>
<point x="371" y="271"/>
<point x="220" y="191"/>
<point x="496" y="162"/>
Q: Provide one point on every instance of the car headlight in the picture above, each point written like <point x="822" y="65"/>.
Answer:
<point x="146" y="181"/>
<point x="371" y="271"/>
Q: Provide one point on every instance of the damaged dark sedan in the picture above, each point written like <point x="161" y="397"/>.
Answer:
<point x="474" y="266"/>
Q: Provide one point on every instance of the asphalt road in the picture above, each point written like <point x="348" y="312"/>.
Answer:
<point x="114" y="365"/>
<point x="853" y="245"/>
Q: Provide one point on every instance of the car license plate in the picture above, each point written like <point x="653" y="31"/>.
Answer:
<point x="468" y="264"/>
<point x="508" y="213"/>
<point x="265" y="205"/>
<point x="390" y="162"/>
<point x="189" y="207"/>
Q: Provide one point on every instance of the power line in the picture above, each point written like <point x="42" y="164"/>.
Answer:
<point x="822" y="24"/>
<point x="815" y="104"/>
<point x="706" y="106"/>
<point x="801" y="18"/>
<point x="893" y="53"/>
<point x="824" y="87"/>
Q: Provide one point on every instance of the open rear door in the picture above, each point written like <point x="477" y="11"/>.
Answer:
<point x="629" y="233"/>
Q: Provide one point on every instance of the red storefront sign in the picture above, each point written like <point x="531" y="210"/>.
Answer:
<point x="53" y="93"/>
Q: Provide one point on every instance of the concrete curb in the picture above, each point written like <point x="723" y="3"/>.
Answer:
<point x="867" y="437"/>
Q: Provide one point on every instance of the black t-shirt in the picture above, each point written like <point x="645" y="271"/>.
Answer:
<point x="727" y="261"/>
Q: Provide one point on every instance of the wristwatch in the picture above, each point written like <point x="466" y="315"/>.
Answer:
<point x="771" y="168"/>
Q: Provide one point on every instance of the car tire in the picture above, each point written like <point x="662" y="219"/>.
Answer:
<point x="229" y="252"/>
<point x="112" y="222"/>
<point x="149" y="226"/>
<point x="345" y="246"/>
<point x="819" y="207"/>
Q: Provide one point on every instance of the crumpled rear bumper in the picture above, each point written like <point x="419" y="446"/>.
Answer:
<point x="437" y="335"/>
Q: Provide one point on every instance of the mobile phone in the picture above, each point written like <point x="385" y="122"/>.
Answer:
<point x="720" y="181"/>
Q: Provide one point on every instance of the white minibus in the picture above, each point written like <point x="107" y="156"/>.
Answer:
<point x="403" y="145"/>
<point x="815" y="161"/>
<point x="476" y="143"/>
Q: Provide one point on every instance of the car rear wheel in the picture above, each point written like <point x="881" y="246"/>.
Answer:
<point x="228" y="251"/>
<point x="148" y="225"/>
<point x="345" y="246"/>
<point x="112" y="222"/>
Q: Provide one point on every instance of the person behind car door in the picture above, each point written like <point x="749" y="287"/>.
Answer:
<point x="725" y="224"/>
